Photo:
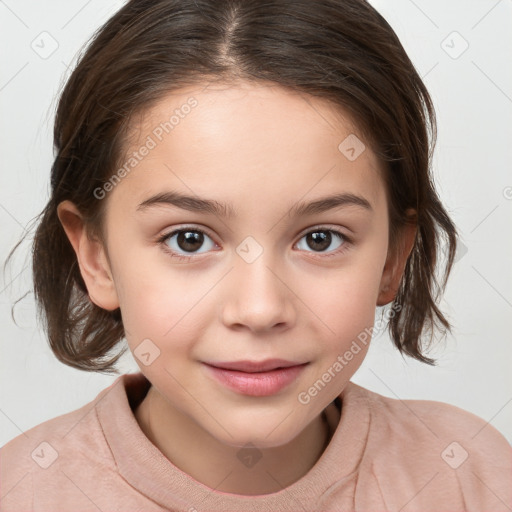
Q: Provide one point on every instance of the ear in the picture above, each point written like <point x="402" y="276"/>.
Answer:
<point x="396" y="261"/>
<point x="92" y="260"/>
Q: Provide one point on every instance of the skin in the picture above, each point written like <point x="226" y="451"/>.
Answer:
<point x="261" y="148"/>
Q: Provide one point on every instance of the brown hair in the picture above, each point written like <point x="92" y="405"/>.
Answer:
<point x="339" y="50"/>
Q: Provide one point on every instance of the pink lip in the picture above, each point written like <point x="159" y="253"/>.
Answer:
<point x="254" y="366"/>
<point x="253" y="381"/>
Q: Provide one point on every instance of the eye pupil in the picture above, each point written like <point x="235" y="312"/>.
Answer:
<point x="321" y="239"/>
<point x="190" y="240"/>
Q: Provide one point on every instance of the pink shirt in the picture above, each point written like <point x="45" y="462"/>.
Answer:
<point x="385" y="454"/>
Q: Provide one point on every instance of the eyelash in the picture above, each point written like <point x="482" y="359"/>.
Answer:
<point x="347" y="241"/>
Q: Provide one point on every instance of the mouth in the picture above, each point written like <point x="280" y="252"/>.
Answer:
<point x="255" y="366"/>
<point x="255" y="378"/>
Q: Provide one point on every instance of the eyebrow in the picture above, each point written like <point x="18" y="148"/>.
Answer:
<point x="202" y="205"/>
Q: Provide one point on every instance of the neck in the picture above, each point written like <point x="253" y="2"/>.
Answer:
<point x="247" y="471"/>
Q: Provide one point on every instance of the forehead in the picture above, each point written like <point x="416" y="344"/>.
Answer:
<point x="249" y="135"/>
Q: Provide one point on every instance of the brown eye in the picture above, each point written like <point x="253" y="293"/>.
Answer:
<point x="186" y="242"/>
<point x="327" y="241"/>
<point x="319" y="240"/>
<point x="190" y="241"/>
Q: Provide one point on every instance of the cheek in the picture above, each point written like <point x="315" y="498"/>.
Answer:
<point x="346" y="306"/>
<point x="350" y="322"/>
<point x="347" y="319"/>
<point x="166" y="307"/>
<point x="148" y="304"/>
<point x="348" y="297"/>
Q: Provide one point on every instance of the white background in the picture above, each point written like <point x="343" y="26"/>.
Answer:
<point x="473" y="98"/>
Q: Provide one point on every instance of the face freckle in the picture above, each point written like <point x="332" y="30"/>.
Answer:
<point x="254" y="155"/>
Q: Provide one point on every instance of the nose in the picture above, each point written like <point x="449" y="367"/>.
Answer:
<point x="259" y="298"/>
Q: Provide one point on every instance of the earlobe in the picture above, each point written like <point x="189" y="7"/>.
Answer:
<point x="92" y="260"/>
<point x="395" y="265"/>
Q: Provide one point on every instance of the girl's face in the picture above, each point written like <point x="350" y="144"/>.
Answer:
<point x="268" y="277"/>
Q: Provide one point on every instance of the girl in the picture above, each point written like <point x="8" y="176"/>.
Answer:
<point x="237" y="186"/>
